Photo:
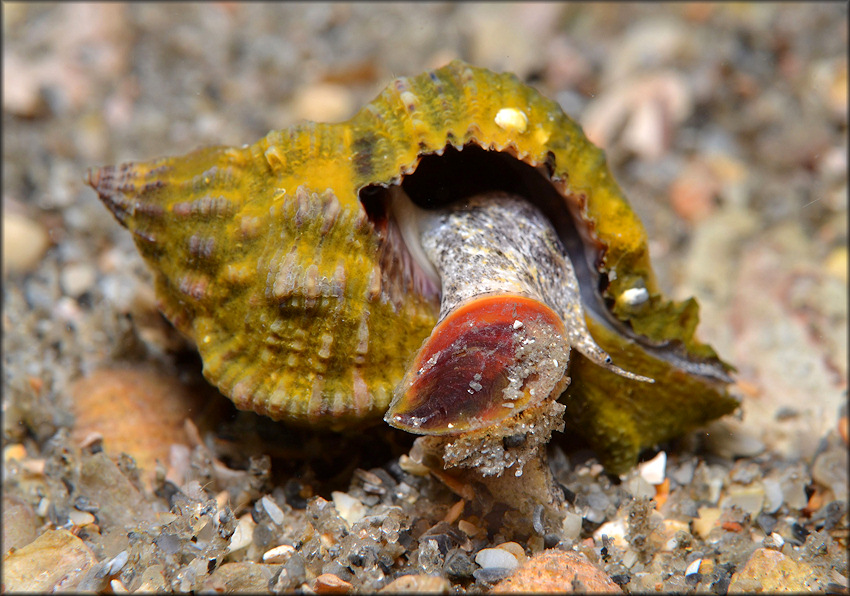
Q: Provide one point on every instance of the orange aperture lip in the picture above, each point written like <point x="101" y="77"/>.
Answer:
<point x="487" y="360"/>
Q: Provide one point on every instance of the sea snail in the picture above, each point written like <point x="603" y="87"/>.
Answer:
<point x="456" y="252"/>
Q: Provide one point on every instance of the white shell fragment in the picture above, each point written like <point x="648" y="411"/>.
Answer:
<point x="614" y="530"/>
<point x="496" y="558"/>
<point x="512" y="119"/>
<point x="693" y="567"/>
<point x="349" y="508"/>
<point x="243" y="536"/>
<point x="654" y="470"/>
<point x="273" y="510"/>
<point x="279" y="554"/>
<point x="635" y="296"/>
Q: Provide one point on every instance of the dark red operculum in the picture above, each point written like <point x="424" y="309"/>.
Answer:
<point x="487" y="360"/>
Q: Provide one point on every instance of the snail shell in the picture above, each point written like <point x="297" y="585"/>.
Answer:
<point x="281" y="259"/>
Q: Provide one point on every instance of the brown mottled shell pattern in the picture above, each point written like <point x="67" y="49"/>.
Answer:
<point x="279" y="259"/>
<point x="285" y="296"/>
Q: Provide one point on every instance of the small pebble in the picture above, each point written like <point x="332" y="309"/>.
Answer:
<point x="80" y="518"/>
<point x="571" y="526"/>
<point x="140" y="411"/>
<point x="694" y="192"/>
<point x="707" y="519"/>
<point x="43" y="507"/>
<point x="468" y="528"/>
<point x="594" y="517"/>
<point x="799" y="532"/>
<point x="324" y="102"/>
<point x="490" y="558"/>
<point x="515" y="549"/>
<point x="56" y="558"/>
<point x="683" y="474"/>
<point x="693" y="567"/>
<point x="77" y="279"/>
<point x="417" y="584"/>
<point x="68" y="310"/>
<point x="615" y="530"/>
<point x="693" y="579"/>
<point x="598" y="501"/>
<point x="793" y="483"/>
<point x="773" y="497"/>
<point x="412" y="467"/>
<point x="15" y="451"/>
<point x="621" y="579"/>
<point x="774" y="541"/>
<point x="639" y="488"/>
<point x="748" y="499"/>
<point x="237" y="577"/>
<point x="830" y="470"/>
<point x="167" y="543"/>
<point x="557" y="571"/>
<point x="278" y="555"/>
<point x="454" y="512"/>
<point x="654" y="470"/>
<point x="273" y="510"/>
<point x="349" y="508"/>
<point x="674" y="532"/>
<point x="22" y="90"/>
<point x="328" y="583"/>
<point x="458" y="565"/>
<point x="491" y="575"/>
<point x="766" y="522"/>
<point x="537" y="520"/>
<point x="24" y="243"/>
<point x="244" y="534"/>
<point x="34" y="466"/>
<point x="116" y="563"/>
<point x="20" y="525"/>
<point x="771" y="571"/>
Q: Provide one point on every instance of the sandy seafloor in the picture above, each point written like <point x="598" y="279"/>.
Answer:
<point x="726" y="126"/>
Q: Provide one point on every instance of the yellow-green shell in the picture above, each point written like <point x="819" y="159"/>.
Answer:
<point x="265" y="256"/>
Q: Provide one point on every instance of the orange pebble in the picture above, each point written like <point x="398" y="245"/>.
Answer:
<point x="815" y="502"/>
<point x="36" y="384"/>
<point x="462" y="489"/>
<point x="454" y="512"/>
<point x="328" y="583"/>
<point x="747" y="388"/>
<point x="139" y="411"/>
<point x="662" y="491"/>
<point x="692" y="194"/>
